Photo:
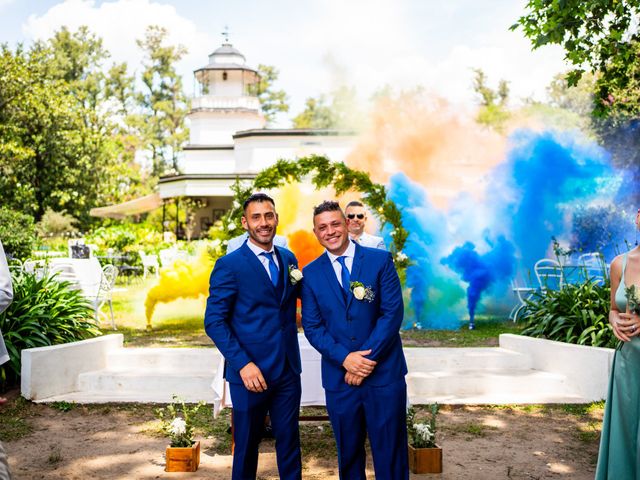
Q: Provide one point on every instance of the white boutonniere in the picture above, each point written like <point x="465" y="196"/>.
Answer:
<point x="361" y="292"/>
<point x="295" y="275"/>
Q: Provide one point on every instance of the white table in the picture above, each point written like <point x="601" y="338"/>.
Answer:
<point x="85" y="272"/>
<point x="312" y="391"/>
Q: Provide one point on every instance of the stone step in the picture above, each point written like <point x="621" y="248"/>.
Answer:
<point x="501" y="384"/>
<point x="462" y="359"/>
<point x="141" y="380"/>
<point x="164" y="359"/>
<point x="131" y="396"/>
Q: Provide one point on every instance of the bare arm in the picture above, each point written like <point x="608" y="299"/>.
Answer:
<point x="616" y="318"/>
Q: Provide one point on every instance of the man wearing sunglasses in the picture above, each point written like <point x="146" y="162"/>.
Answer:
<point x="356" y="220"/>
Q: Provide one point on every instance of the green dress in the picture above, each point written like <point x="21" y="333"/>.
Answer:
<point x="619" y="458"/>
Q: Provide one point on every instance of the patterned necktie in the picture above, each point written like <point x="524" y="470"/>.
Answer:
<point x="273" y="268"/>
<point x="345" y="276"/>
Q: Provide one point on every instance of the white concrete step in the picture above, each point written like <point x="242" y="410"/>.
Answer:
<point x="131" y="396"/>
<point x="141" y="380"/>
<point x="164" y="359"/>
<point x="462" y="359"/>
<point x="493" y="385"/>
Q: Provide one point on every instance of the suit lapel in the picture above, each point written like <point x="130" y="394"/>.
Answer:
<point x="355" y="268"/>
<point x="256" y="265"/>
<point x="332" y="280"/>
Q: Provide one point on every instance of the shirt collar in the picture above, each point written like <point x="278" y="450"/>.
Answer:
<point x="349" y="252"/>
<point x="257" y="250"/>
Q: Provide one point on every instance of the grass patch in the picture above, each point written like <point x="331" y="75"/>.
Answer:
<point x="63" y="406"/>
<point x="473" y="429"/>
<point x="14" y="420"/>
<point x="485" y="334"/>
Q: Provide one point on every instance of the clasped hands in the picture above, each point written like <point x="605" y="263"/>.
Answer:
<point x="358" y="367"/>
<point x="252" y="378"/>
<point x="626" y="326"/>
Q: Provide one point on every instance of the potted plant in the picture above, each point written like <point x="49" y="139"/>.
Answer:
<point x="425" y="456"/>
<point x="183" y="454"/>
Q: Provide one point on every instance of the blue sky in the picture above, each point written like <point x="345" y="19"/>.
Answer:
<point x="319" y="44"/>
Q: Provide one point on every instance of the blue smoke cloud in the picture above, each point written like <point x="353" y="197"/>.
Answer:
<point x="482" y="271"/>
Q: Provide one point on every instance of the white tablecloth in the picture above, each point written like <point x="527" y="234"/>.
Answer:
<point x="85" y="272"/>
<point x="312" y="391"/>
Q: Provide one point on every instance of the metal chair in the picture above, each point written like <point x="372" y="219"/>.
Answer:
<point x="149" y="262"/>
<point x="523" y="294"/>
<point x="594" y="266"/>
<point x="549" y="274"/>
<point x="105" y="290"/>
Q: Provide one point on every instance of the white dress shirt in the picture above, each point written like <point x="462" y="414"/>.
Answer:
<point x="371" y="241"/>
<point x="337" y="268"/>
<point x="264" y="260"/>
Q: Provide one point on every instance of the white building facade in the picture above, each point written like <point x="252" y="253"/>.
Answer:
<point x="228" y="139"/>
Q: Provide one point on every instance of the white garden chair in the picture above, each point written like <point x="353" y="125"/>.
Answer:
<point x="549" y="274"/>
<point x="594" y="266"/>
<point x="149" y="262"/>
<point x="105" y="291"/>
<point x="523" y="294"/>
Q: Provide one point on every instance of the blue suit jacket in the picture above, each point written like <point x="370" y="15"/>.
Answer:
<point x="246" y="319"/>
<point x="336" y="327"/>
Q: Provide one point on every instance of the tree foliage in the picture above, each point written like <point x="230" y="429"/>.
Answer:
<point x="599" y="34"/>
<point x="272" y="101"/>
<point x="164" y="104"/>
<point x="493" y="103"/>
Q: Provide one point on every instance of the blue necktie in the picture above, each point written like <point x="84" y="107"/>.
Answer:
<point x="273" y="269"/>
<point x="346" y="278"/>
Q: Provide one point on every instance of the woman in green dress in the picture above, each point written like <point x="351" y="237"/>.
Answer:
<point x="619" y="458"/>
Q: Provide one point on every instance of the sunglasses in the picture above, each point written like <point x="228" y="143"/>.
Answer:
<point x="351" y="216"/>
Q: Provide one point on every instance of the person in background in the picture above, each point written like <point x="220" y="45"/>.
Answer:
<point x="6" y="296"/>
<point x="356" y="220"/>
<point x="619" y="456"/>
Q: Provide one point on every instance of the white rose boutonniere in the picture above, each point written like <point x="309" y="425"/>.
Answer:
<point x="295" y="275"/>
<point x="360" y="292"/>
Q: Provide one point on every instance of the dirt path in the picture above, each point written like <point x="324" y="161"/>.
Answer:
<point x="121" y="442"/>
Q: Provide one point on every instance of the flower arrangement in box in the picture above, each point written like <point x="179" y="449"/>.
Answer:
<point x="425" y="456"/>
<point x="183" y="454"/>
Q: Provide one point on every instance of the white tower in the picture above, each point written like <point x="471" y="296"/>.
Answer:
<point x="225" y="102"/>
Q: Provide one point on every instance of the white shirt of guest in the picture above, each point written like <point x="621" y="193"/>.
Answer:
<point x="264" y="260"/>
<point x="350" y="252"/>
<point x="371" y="241"/>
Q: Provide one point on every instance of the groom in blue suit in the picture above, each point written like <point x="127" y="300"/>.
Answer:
<point x="251" y="317"/>
<point x="352" y="310"/>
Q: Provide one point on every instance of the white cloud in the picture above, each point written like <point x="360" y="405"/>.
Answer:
<point x="120" y="24"/>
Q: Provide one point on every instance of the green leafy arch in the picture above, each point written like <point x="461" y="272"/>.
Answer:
<point x="323" y="173"/>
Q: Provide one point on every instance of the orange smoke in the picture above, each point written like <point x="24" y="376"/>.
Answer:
<point x="430" y="142"/>
<point x="305" y="245"/>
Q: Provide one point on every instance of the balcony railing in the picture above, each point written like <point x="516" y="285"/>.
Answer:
<point x="210" y="102"/>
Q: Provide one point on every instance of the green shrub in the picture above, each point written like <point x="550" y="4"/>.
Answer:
<point x="43" y="312"/>
<point x="17" y="233"/>
<point x="126" y="238"/>
<point x="578" y="313"/>
<point x="56" y="224"/>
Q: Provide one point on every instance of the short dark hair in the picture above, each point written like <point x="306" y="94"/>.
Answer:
<point x="257" y="197"/>
<point x="327" y="206"/>
<point x="354" y="203"/>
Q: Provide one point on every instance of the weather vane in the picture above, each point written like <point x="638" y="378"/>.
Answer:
<point x="225" y="34"/>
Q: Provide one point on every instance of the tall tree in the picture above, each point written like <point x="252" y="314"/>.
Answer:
<point x="316" y="114"/>
<point x="272" y="101"/>
<point x="163" y="101"/>
<point x="493" y="103"/>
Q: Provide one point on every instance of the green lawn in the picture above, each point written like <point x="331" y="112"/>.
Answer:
<point x="180" y="324"/>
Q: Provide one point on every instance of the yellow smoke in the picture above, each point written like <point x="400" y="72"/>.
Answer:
<point x="185" y="279"/>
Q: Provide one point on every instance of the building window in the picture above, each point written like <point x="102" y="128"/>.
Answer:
<point x="224" y="76"/>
